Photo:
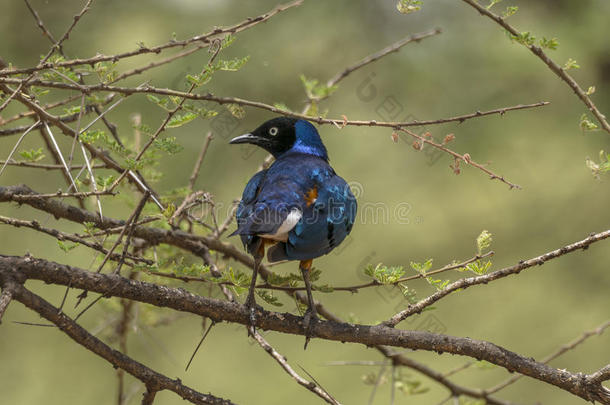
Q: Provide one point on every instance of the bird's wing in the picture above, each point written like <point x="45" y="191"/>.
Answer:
<point x="248" y="198"/>
<point x="325" y="223"/>
<point x="266" y="204"/>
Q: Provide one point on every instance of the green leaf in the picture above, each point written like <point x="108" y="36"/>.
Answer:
<point x="236" y="110"/>
<point x="179" y="120"/>
<point x="409" y="293"/>
<point x="422" y="268"/>
<point x="103" y="182"/>
<point x="477" y="267"/>
<point x="510" y="11"/>
<point x="598" y="168"/>
<point x="269" y="298"/>
<point x="200" y="79"/>
<point x="281" y="106"/>
<point x="384" y="274"/>
<point x="492" y="3"/>
<point x="586" y="124"/>
<point x="65" y="247"/>
<point x="408" y="6"/>
<point x="552" y="43"/>
<point x="168" y="145"/>
<point x="227" y="41"/>
<point x="525" y="38"/>
<point x="162" y="102"/>
<point x="89" y="227"/>
<point x="232" y="65"/>
<point x="315" y="90"/>
<point x="483" y="241"/>
<point x="32" y="155"/>
<point x="571" y="64"/>
<point x="169" y="211"/>
<point x="133" y="164"/>
<point x="289" y="279"/>
<point x="325" y="288"/>
<point x="72" y="110"/>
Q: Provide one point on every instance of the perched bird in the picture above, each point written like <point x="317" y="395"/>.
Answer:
<point x="298" y="207"/>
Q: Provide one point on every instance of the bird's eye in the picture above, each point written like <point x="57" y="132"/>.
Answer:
<point x="273" y="131"/>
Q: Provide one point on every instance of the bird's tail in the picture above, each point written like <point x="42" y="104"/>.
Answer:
<point x="277" y="253"/>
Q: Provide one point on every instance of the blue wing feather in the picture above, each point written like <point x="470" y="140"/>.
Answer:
<point x="270" y="195"/>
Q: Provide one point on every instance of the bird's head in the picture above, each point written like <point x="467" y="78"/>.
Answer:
<point x="283" y="134"/>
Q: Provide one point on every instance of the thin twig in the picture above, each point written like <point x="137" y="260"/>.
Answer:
<point x="215" y="52"/>
<point x="43" y="28"/>
<point x="396" y="46"/>
<point x="205" y="334"/>
<point x="10" y="155"/>
<point x="59" y="154"/>
<point x="59" y="194"/>
<point x="458" y="157"/>
<point x="281" y="360"/>
<point x="555" y="68"/>
<point x="205" y="38"/>
<point x="45" y="166"/>
<point x="507" y="271"/>
<point x="199" y="161"/>
<point x="62" y="236"/>
<point x="5" y="298"/>
<point x="256" y="104"/>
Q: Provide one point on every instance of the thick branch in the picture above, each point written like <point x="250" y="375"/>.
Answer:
<point x="80" y="335"/>
<point x="19" y="268"/>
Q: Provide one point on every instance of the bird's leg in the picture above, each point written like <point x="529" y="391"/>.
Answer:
<point x="311" y="316"/>
<point x="250" y="303"/>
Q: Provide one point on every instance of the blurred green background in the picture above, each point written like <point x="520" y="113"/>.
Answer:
<point x="471" y="66"/>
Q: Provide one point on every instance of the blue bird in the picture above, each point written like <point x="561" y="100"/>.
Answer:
<point x="298" y="207"/>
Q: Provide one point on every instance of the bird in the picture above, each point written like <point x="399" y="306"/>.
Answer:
<point x="298" y="209"/>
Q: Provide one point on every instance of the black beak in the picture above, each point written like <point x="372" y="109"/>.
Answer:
<point x="246" y="138"/>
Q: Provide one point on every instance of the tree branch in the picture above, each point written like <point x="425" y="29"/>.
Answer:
<point x="256" y="104"/>
<point x="80" y="335"/>
<point x="507" y="271"/>
<point x="20" y="268"/>
<point x="281" y="360"/>
<point x="555" y="68"/>
<point x="5" y="298"/>
<point x="563" y="349"/>
<point x="205" y="38"/>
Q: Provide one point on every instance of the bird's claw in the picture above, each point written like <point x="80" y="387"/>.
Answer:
<point x="252" y="308"/>
<point x="309" y="321"/>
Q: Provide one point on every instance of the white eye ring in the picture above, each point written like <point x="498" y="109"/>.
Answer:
<point x="273" y="131"/>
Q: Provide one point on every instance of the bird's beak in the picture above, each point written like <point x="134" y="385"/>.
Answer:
<point x="245" y="138"/>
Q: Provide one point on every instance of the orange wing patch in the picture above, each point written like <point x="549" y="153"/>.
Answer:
<point x="311" y="196"/>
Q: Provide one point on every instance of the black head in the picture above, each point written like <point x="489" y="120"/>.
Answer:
<point x="283" y="134"/>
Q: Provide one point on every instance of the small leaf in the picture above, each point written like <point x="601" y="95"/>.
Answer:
<point x="65" y="247"/>
<point x="269" y="298"/>
<point x="571" y="64"/>
<point x="408" y="6"/>
<point x="483" y="241"/>
<point x="32" y="155"/>
<point x="179" y="120"/>
<point x="510" y="11"/>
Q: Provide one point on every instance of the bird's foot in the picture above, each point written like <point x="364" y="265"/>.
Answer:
<point x="252" y="307"/>
<point x="309" y="322"/>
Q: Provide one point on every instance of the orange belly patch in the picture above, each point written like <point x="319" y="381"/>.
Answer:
<point x="311" y="196"/>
